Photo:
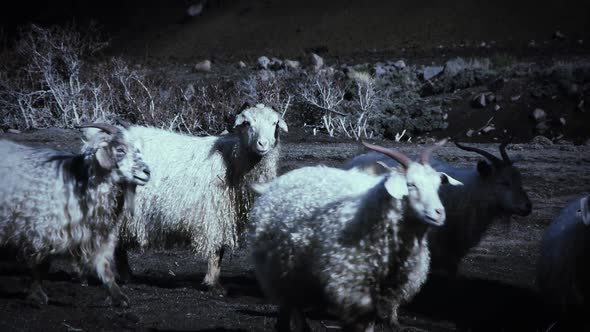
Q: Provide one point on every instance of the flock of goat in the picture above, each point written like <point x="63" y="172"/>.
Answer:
<point x="357" y="241"/>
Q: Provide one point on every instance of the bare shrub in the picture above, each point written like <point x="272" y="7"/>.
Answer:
<point x="53" y="79"/>
<point x="270" y="88"/>
<point x="47" y="87"/>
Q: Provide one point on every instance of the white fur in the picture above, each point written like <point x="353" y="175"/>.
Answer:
<point x="199" y="192"/>
<point x="55" y="203"/>
<point x="356" y="238"/>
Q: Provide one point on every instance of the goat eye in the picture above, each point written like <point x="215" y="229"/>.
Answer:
<point x="411" y="186"/>
<point x="121" y="151"/>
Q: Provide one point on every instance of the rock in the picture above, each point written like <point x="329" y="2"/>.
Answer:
<point x="490" y="97"/>
<point x="587" y="143"/>
<point x="317" y="62"/>
<point x="514" y="98"/>
<point x="558" y="35"/>
<point x="263" y="62"/>
<point x="195" y="10"/>
<point x="14" y="131"/>
<point x="542" y="127"/>
<point x="292" y="64"/>
<point x="497" y="107"/>
<point x="399" y="64"/>
<point x="581" y="105"/>
<point x="539" y="115"/>
<point x="479" y="101"/>
<point x="541" y="140"/>
<point x="275" y="64"/>
<point x="469" y="133"/>
<point x="241" y="64"/>
<point x="204" y="65"/>
<point x="487" y="129"/>
<point x="431" y="72"/>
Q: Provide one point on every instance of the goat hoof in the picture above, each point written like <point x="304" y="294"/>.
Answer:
<point x="120" y="300"/>
<point x="217" y="289"/>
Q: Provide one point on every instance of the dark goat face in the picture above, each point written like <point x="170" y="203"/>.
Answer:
<point x="120" y="153"/>
<point x="505" y="180"/>
<point x="259" y="128"/>
<point x="508" y="191"/>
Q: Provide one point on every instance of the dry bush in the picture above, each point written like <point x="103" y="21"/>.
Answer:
<point x="326" y="91"/>
<point x="53" y="79"/>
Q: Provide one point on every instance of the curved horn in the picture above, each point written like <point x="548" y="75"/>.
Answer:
<point x="396" y="155"/>
<point x="426" y="153"/>
<point x="112" y="130"/>
<point x="503" y="152"/>
<point x="495" y="160"/>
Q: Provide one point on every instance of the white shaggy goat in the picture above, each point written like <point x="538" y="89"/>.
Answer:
<point x="563" y="268"/>
<point x="56" y="203"/>
<point x="345" y="240"/>
<point x="199" y="192"/>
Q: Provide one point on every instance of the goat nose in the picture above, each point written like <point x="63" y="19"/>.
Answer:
<point x="440" y="211"/>
<point x="262" y="143"/>
<point x="147" y="171"/>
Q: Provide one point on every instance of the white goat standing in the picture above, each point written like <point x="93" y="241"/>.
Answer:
<point x="344" y="240"/>
<point x="56" y="203"/>
<point x="199" y="189"/>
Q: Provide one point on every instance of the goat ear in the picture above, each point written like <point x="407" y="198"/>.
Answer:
<point x="105" y="157"/>
<point x="447" y="179"/>
<point x="283" y="125"/>
<point x="484" y="168"/>
<point x="396" y="186"/>
<point x="585" y="210"/>
<point x="90" y="132"/>
<point x="240" y="120"/>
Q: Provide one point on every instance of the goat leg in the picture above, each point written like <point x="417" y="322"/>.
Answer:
<point x="122" y="262"/>
<point x="36" y="292"/>
<point x="103" y="263"/>
<point x="213" y="270"/>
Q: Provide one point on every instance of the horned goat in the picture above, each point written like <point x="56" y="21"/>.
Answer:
<point x="200" y="191"/>
<point x="54" y="203"/>
<point x="491" y="191"/>
<point x="345" y="240"/>
<point x="563" y="271"/>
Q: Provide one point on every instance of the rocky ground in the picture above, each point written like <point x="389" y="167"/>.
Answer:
<point x="495" y="292"/>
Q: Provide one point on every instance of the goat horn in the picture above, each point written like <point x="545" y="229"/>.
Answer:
<point x="495" y="160"/>
<point x="396" y="155"/>
<point x="503" y="152"/>
<point x="112" y="130"/>
<point x="426" y="154"/>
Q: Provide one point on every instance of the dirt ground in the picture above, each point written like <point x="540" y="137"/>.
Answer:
<point x="495" y="292"/>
